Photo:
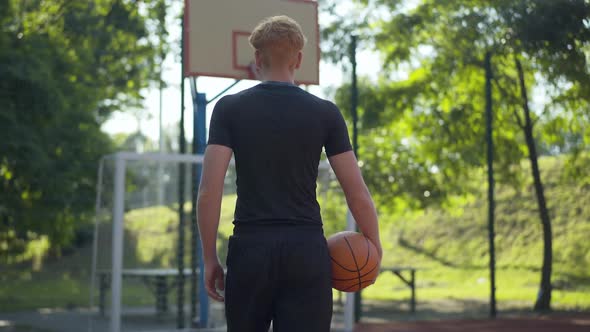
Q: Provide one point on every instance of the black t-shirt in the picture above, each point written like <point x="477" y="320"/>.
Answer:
<point x="277" y="132"/>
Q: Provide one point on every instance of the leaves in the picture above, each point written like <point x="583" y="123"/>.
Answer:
<point x="65" y="66"/>
<point x="432" y="118"/>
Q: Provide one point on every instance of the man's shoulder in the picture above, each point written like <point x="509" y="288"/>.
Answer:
<point x="227" y="100"/>
<point x="227" y="104"/>
<point x="323" y="104"/>
<point x="231" y="101"/>
<point x="319" y="100"/>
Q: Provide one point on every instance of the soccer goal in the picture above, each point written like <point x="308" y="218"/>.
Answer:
<point x="145" y="273"/>
<point x="145" y="261"/>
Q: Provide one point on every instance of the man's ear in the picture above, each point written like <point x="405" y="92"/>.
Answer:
<point x="258" y="58"/>
<point x="299" y="59"/>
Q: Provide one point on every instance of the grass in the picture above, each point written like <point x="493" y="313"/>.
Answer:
<point x="450" y="245"/>
<point x="515" y="287"/>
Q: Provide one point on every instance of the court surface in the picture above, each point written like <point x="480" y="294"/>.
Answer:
<point x="570" y="323"/>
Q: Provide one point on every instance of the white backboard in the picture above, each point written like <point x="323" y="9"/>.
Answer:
<point x="217" y="31"/>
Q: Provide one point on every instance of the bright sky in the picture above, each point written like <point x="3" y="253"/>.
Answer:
<point x="331" y="76"/>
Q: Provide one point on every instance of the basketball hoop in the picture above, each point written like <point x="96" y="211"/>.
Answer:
<point x="217" y="33"/>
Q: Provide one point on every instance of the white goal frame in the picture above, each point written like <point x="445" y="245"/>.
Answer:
<point x="120" y="160"/>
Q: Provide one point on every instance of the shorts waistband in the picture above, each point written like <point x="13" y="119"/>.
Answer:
<point x="278" y="228"/>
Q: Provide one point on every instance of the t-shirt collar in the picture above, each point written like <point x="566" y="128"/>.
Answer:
<point x="277" y="83"/>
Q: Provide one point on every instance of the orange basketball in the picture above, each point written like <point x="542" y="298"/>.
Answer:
<point x="354" y="261"/>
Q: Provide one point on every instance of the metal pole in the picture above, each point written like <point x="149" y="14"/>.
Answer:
<point x="97" y="208"/>
<point x="161" y="140"/>
<point x="354" y="97"/>
<point x="117" y="255"/>
<point x="491" y="202"/>
<point x="181" y="182"/>
<point x="194" y="192"/>
<point x="353" y="108"/>
<point x="349" y="318"/>
<point x="199" y="145"/>
<point x="161" y="125"/>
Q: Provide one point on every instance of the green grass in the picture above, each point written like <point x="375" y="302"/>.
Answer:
<point x="150" y="241"/>
<point x="449" y="244"/>
<point x="452" y="244"/>
<point x="515" y="287"/>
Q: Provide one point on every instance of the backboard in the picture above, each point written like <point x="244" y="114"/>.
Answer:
<point x="217" y="31"/>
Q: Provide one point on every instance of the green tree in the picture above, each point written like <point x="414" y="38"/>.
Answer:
<point x="554" y="36"/>
<point x="428" y="128"/>
<point x="65" y="66"/>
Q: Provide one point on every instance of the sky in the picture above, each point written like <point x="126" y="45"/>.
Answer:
<point x="331" y="76"/>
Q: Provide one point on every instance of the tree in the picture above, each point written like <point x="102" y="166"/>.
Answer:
<point x="65" y="66"/>
<point x="433" y="116"/>
<point x="553" y="35"/>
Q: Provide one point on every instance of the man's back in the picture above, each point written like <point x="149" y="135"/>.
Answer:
<point x="277" y="132"/>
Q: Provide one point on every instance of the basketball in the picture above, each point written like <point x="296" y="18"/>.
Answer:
<point x="355" y="263"/>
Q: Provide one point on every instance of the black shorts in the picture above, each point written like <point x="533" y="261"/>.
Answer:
<point x="280" y="274"/>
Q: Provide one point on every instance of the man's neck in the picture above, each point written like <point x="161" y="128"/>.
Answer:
<point x="279" y="76"/>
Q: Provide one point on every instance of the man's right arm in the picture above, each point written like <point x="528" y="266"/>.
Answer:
<point x="357" y="195"/>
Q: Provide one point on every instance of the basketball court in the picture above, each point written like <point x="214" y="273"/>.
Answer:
<point x="215" y="44"/>
<point x="570" y="323"/>
<point x="74" y="321"/>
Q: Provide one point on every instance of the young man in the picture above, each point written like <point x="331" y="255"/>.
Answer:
<point x="278" y="265"/>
